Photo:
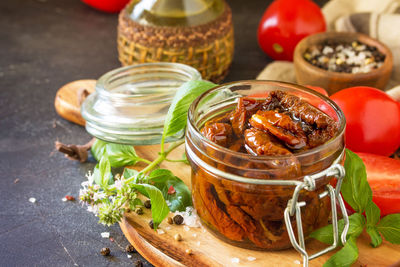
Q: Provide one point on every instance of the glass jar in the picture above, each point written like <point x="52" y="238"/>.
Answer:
<point x="130" y="103"/>
<point x="242" y="198"/>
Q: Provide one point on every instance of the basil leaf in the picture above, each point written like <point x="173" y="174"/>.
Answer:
<point x="389" y="227"/>
<point x="176" y="118"/>
<point x="121" y="155"/>
<point x="376" y="239"/>
<point x="159" y="208"/>
<point x="346" y="256"/>
<point x="356" y="226"/>
<point x="98" y="149"/>
<point x="163" y="179"/>
<point x="129" y="173"/>
<point x="373" y="214"/>
<point x="355" y="188"/>
<point x="102" y="173"/>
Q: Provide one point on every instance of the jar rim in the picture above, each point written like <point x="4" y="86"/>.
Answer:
<point x="104" y="80"/>
<point x="339" y="113"/>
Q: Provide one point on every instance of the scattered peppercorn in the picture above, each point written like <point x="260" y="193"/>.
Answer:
<point x="138" y="263"/>
<point x="105" y="251"/>
<point x="139" y="211"/>
<point x="130" y="249"/>
<point x="170" y="221"/>
<point x="178" y="237"/>
<point x="178" y="219"/>
<point x="147" y="204"/>
<point x="128" y="210"/>
<point x="189" y="251"/>
<point x="151" y="224"/>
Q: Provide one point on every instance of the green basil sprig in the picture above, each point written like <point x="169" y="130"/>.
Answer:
<point x="111" y="197"/>
<point x="358" y="194"/>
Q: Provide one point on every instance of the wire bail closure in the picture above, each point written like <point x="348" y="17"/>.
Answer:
<point x="294" y="209"/>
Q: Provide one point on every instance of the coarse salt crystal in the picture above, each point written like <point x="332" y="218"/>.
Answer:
<point x="327" y="50"/>
<point x="105" y="235"/>
<point x="64" y="199"/>
<point x="235" y="260"/>
<point x="194" y="235"/>
<point x="198" y="243"/>
<point x="297" y="262"/>
<point x="32" y="200"/>
<point x="204" y="230"/>
<point x="186" y="228"/>
<point x="168" y="228"/>
<point x="160" y="231"/>
<point x="129" y="256"/>
<point x="251" y="258"/>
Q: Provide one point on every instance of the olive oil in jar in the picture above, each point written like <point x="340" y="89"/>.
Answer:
<point x="176" y="13"/>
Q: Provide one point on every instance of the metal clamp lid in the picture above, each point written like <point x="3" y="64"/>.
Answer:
<point x="294" y="209"/>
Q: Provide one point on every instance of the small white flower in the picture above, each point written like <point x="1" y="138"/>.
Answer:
<point x="90" y="177"/>
<point x="96" y="187"/>
<point x="99" y="196"/>
<point x="63" y="199"/>
<point x="129" y="256"/>
<point x="83" y="192"/>
<point x="32" y="200"/>
<point x="118" y="184"/>
<point x="105" y="235"/>
<point x="94" y="209"/>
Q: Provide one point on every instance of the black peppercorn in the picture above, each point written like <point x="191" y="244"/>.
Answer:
<point x="130" y="249"/>
<point x="105" y="251"/>
<point x="151" y="224"/>
<point x="178" y="219"/>
<point x="138" y="263"/>
<point x="139" y="211"/>
<point x="147" y="204"/>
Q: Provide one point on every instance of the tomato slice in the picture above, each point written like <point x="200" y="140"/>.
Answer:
<point x="383" y="174"/>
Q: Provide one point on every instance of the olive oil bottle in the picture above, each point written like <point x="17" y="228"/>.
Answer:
<point x="198" y="33"/>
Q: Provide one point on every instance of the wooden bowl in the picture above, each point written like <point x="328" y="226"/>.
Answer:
<point x="308" y="74"/>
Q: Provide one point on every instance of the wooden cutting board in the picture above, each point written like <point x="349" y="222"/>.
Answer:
<point x="207" y="250"/>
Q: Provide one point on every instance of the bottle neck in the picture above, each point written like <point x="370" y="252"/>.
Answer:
<point x="175" y="13"/>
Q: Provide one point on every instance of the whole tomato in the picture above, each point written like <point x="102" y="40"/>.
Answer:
<point x="110" y="6"/>
<point x="373" y="120"/>
<point x="285" y="23"/>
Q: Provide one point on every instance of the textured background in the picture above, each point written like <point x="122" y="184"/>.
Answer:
<point x="43" y="45"/>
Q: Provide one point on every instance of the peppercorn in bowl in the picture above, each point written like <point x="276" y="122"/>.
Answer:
<point x="249" y="144"/>
<point x="338" y="60"/>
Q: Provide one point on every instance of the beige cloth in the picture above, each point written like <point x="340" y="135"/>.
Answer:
<point x="354" y="16"/>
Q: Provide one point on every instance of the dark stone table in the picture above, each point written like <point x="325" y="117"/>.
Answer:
<point x="43" y="45"/>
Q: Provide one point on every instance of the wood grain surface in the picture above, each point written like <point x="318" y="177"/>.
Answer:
<point x="207" y="250"/>
<point x="68" y="98"/>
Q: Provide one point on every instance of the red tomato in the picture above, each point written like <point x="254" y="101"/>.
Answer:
<point x="285" y="23"/>
<point x="111" y="6"/>
<point x="383" y="176"/>
<point x="373" y="120"/>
